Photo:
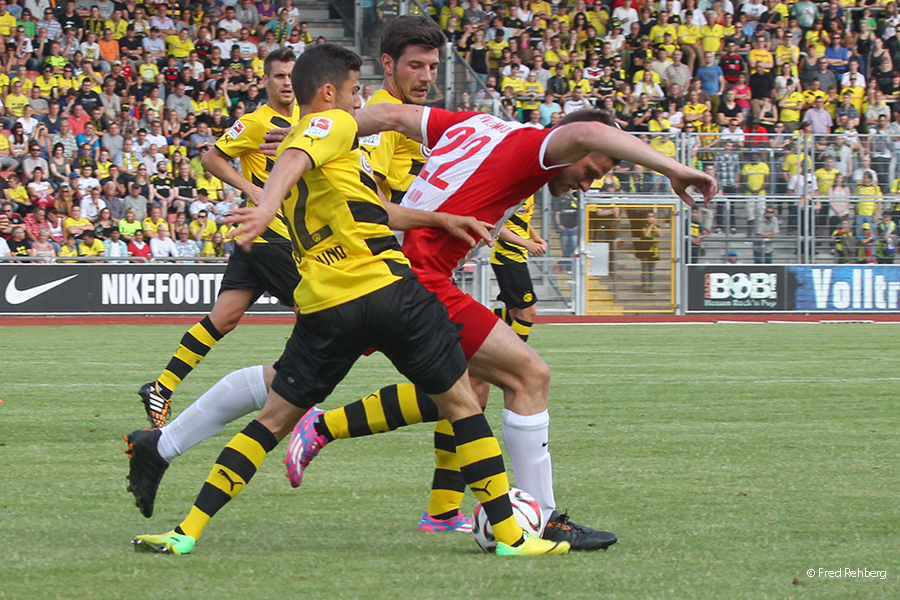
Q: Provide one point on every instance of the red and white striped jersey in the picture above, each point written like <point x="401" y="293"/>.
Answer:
<point x="478" y="165"/>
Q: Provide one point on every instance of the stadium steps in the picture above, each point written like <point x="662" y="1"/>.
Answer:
<point x="600" y="299"/>
<point x="318" y="16"/>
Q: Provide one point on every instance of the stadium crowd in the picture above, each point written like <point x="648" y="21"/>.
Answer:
<point x="774" y="98"/>
<point x="107" y="110"/>
<point x="108" y="107"/>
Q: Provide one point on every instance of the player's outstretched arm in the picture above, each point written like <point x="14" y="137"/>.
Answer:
<point x="535" y="248"/>
<point x="216" y="162"/>
<point x="405" y="118"/>
<point x="289" y="168"/>
<point x="468" y="229"/>
<point x="574" y="141"/>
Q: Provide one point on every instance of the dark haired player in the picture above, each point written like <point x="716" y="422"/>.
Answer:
<point x="356" y="291"/>
<point x="270" y="268"/>
<point x="410" y="56"/>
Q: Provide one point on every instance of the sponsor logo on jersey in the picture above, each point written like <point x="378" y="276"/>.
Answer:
<point x="236" y="130"/>
<point x="370" y="140"/>
<point x="528" y="297"/>
<point x="319" y="127"/>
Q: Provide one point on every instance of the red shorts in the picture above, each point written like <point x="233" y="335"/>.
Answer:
<point x="474" y="319"/>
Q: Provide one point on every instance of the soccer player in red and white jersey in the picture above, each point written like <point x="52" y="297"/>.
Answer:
<point x="484" y="167"/>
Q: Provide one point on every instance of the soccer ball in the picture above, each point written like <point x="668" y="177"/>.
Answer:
<point x="526" y="511"/>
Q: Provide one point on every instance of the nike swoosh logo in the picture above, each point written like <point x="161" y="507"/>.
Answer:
<point x="17" y="296"/>
<point x="544" y="445"/>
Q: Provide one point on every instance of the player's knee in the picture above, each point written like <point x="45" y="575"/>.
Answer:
<point x="539" y="371"/>
<point x="532" y="372"/>
<point x="225" y="322"/>
<point x="528" y="313"/>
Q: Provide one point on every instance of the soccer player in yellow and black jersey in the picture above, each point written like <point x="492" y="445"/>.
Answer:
<point x="509" y="260"/>
<point x="270" y="269"/>
<point x="395" y="159"/>
<point x="409" y="58"/>
<point x="410" y="55"/>
<point x="356" y="291"/>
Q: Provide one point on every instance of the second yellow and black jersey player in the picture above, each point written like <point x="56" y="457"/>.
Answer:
<point x="395" y="158"/>
<point x="270" y="267"/>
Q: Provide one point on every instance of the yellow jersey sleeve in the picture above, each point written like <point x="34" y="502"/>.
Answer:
<point x="395" y="158"/>
<point x="519" y="223"/>
<point x="324" y="136"/>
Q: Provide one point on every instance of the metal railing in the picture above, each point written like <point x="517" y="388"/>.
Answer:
<point x="557" y="286"/>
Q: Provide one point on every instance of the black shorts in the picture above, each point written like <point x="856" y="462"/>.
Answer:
<point x="516" y="289"/>
<point x="266" y="268"/>
<point x="406" y="322"/>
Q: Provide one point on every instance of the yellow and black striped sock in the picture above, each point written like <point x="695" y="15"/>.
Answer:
<point x="195" y="344"/>
<point x="387" y="409"/>
<point x="234" y="468"/>
<point x="522" y="328"/>
<point x="448" y="485"/>
<point x="481" y="463"/>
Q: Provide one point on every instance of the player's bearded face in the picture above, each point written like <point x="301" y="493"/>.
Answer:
<point x="581" y="175"/>
<point x="410" y="77"/>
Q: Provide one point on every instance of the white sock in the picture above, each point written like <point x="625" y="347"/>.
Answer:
<point x="237" y="394"/>
<point x="526" y="439"/>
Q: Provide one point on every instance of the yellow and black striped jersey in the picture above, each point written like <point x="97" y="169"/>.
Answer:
<point x="393" y="156"/>
<point x="243" y="140"/>
<point x="337" y="223"/>
<point x="520" y="224"/>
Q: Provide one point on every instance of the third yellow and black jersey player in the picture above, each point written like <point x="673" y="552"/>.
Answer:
<point x="509" y="259"/>
<point x="269" y="268"/>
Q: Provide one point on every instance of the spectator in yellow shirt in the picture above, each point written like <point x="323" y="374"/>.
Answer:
<point x="869" y="205"/>
<point x="203" y="228"/>
<point x="7" y="21"/>
<point x="817" y="40"/>
<point x="556" y="53"/>
<point x="662" y="27"/>
<point x="689" y="37"/>
<point x="90" y="246"/>
<point x="117" y="25"/>
<point x="788" y="53"/>
<point x="151" y="224"/>
<point x="180" y="46"/>
<point x="712" y="33"/>
<point x="789" y="108"/>
<point x="533" y="90"/>
<point x="760" y="54"/>
<point x="514" y="80"/>
<point x="15" y="101"/>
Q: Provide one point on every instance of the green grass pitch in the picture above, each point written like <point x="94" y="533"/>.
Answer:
<point x="729" y="459"/>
